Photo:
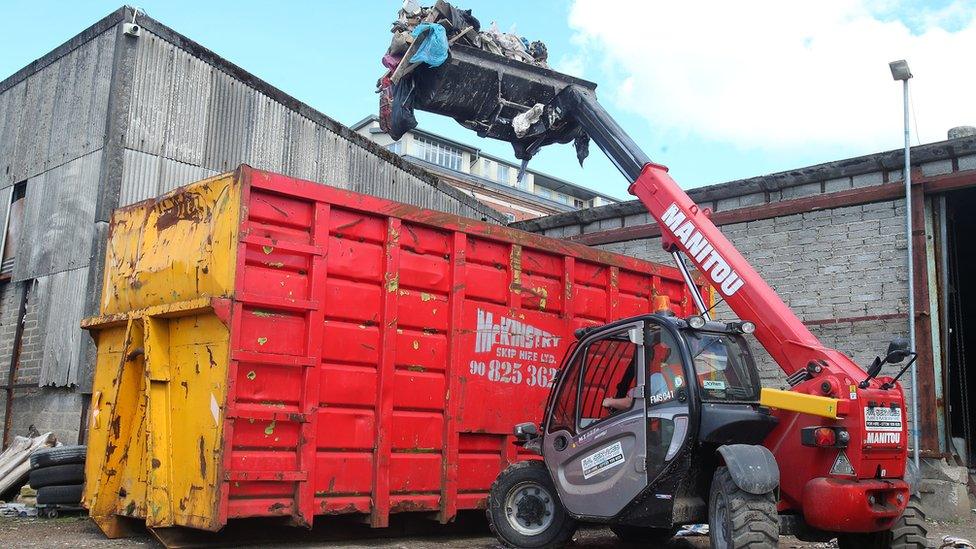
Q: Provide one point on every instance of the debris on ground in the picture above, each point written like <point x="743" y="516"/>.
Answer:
<point x="950" y="542"/>
<point x="693" y="530"/>
<point x="15" y="460"/>
<point x="17" y="510"/>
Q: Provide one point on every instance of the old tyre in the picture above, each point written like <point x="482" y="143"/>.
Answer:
<point x="641" y="534"/>
<point x="908" y="532"/>
<point x="524" y="511"/>
<point x="59" y="455"/>
<point x="72" y="473"/>
<point x="737" y="518"/>
<point x="65" y="495"/>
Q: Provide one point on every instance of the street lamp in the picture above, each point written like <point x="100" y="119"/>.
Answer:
<point x="900" y="71"/>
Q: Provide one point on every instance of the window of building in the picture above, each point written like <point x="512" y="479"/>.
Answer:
<point x="523" y="183"/>
<point x="510" y="217"/>
<point x="438" y="153"/>
<point x="544" y="192"/>
<point x="502" y="173"/>
<point x="396" y="147"/>
<point x="579" y="203"/>
<point x="15" y="221"/>
<point x="564" y="198"/>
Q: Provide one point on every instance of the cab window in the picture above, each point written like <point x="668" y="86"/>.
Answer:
<point x="564" y="405"/>
<point x="609" y="374"/>
<point x="724" y="367"/>
<point x="665" y="377"/>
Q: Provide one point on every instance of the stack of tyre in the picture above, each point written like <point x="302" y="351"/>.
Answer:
<point x="58" y="475"/>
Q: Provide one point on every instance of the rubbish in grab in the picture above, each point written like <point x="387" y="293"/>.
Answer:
<point x="426" y="38"/>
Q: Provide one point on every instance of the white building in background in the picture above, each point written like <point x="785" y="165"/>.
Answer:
<point x="490" y="179"/>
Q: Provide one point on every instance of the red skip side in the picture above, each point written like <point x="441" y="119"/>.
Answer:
<point x="381" y="353"/>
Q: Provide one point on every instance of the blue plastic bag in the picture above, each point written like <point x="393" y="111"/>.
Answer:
<point x="433" y="50"/>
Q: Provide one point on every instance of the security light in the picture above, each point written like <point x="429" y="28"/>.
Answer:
<point x="900" y="70"/>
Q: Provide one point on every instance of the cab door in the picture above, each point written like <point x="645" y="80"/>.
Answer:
<point x="595" y="441"/>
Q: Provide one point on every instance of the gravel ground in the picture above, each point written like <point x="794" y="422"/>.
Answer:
<point x="72" y="532"/>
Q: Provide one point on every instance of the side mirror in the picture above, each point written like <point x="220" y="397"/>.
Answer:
<point x="897" y="350"/>
<point x="526" y="430"/>
<point x="875" y="367"/>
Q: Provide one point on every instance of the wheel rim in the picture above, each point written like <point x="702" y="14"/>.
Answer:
<point x="529" y="508"/>
<point x="721" y="526"/>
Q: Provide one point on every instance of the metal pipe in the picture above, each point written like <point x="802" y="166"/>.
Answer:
<point x="911" y="272"/>
<point x="695" y="294"/>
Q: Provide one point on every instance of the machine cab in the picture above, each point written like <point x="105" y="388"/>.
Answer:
<point x="630" y="402"/>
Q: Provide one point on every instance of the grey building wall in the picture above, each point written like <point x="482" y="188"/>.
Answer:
<point x="52" y="131"/>
<point x="107" y="120"/>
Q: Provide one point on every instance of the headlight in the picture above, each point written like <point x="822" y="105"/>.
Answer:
<point x="696" y="322"/>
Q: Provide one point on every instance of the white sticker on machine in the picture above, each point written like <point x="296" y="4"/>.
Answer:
<point x="882" y="418"/>
<point x="603" y="459"/>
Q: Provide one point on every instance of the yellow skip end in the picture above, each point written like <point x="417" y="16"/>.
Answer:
<point x="799" y="402"/>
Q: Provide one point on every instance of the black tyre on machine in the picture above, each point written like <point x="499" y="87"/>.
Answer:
<point x="524" y="510"/>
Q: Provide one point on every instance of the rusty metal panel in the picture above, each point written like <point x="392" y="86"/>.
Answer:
<point x="358" y="365"/>
<point x="62" y="303"/>
<point x="62" y="111"/>
<point x="59" y="217"/>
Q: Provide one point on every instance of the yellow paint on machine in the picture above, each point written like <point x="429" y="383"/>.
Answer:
<point x="160" y="384"/>
<point x="799" y="402"/>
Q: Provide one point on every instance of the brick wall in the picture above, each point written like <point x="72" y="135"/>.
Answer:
<point x="54" y="409"/>
<point x="840" y="263"/>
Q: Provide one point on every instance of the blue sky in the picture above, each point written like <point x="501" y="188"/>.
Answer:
<point x="756" y="90"/>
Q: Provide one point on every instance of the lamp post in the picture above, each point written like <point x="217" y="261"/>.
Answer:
<point x="900" y="71"/>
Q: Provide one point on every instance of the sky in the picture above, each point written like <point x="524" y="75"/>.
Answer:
<point x="717" y="91"/>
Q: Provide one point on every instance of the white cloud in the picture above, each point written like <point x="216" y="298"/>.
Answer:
<point x="780" y="75"/>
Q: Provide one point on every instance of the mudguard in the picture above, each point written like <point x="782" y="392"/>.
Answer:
<point x="753" y="468"/>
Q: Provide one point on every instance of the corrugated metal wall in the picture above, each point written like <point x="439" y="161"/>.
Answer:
<point x="56" y="114"/>
<point x="201" y="121"/>
<point x="58" y="219"/>
<point x="52" y="130"/>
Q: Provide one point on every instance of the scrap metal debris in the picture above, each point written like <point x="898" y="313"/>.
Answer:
<point x="462" y="27"/>
<point x="423" y="37"/>
<point x="522" y="122"/>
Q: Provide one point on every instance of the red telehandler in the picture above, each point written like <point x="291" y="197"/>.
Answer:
<point x="683" y="438"/>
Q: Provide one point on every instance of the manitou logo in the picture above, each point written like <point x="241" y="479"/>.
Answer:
<point x="708" y="259"/>
<point x="510" y="333"/>
<point x="883" y="438"/>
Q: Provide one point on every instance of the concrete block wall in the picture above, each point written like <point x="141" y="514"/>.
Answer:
<point x="828" y="266"/>
<point x="54" y="409"/>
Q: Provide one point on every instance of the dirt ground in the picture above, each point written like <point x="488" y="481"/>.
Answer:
<point x="72" y="532"/>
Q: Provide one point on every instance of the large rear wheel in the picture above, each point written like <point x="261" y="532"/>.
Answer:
<point x="908" y="532"/>
<point x="524" y="511"/>
<point x="738" y="519"/>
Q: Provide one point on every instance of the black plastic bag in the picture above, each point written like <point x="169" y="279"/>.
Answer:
<point x="402" y="118"/>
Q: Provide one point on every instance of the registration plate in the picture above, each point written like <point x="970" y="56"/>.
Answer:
<point x="879" y="418"/>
